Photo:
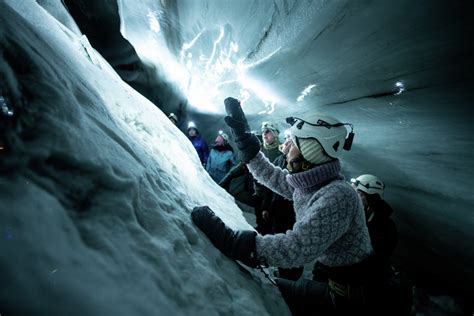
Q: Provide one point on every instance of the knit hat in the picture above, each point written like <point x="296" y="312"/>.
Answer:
<point x="312" y="150"/>
<point x="272" y="127"/>
<point x="268" y="126"/>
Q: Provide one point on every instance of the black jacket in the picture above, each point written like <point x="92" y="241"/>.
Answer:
<point x="382" y="230"/>
<point x="281" y="210"/>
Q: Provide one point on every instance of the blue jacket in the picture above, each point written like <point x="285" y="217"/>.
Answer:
<point x="221" y="159"/>
<point x="201" y="147"/>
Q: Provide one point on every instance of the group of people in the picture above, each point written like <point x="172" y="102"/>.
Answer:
<point x="217" y="161"/>
<point x="317" y="216"/>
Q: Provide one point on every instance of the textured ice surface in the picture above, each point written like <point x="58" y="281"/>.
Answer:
<point x="96" y="190"/>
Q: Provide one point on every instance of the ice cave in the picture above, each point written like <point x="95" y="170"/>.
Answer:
<point x="97" y="184"/>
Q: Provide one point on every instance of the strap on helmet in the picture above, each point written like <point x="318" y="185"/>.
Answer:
<point x="320" y="123"/>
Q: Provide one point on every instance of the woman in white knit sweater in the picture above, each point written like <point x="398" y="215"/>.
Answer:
<point x="330" y="223"/>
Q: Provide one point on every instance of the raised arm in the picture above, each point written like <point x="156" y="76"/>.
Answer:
<point x="249" y="147"/>
<point x="270" y="176"/>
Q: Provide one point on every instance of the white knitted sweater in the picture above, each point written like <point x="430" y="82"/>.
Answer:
<point x="330" y="222"/>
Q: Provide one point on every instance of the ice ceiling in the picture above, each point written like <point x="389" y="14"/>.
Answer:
<point x="279" y="57"/>
<point x="400" y="71"/>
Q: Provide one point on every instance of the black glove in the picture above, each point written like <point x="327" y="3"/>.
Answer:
<point x="237" y="245"/>
<point x="248" y="143"/>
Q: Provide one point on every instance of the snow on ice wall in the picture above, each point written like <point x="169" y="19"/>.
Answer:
<point x="96" y="188"/>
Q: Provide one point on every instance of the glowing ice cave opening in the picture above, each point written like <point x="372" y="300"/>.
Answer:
<point x="208" y="68"/>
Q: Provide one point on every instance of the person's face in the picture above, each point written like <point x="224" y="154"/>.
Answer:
<point x="268" y="137"/>
<point x="192" y="132"/>
<point x="219" y="140"/>
<point x="293" y="153"/>
<point x="286" y="146"/>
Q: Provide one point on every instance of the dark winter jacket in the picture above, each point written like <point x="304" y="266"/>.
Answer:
<point x="271" y="153"/>
<point x="382" y="230"/>
<point x="281" y="210"/>
<point x="261" y="191"/>
<point x="220" y="161"/>
<point x="201" y="147"/>
<point x="242" y="188"/>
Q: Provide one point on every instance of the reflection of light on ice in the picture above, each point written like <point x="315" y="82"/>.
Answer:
<point x="209" y="66"/>
<point x="189" y="62"/>
<point x="221" y="35"/>
<point x="5" y="109"/>
<point x="244" y="95"/>
<point x="264" y="59"/>
<point x="187" y="46"/>
<point x="400" y="87"/>
<point x="153" y="21"/>
<point x="261" y="91"/>
<point x="269" y="108"/>
<point x="305" y="92"/>
<point x="208" y="74"/>
<point x="234" y="47"/>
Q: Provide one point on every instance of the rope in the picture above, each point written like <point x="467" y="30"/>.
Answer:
<point x="266" y="275"/>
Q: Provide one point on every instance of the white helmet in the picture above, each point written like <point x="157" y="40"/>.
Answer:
<point x="192" y="125"/>
<point x="369" y="184"/>
<point x="328" y="131"/>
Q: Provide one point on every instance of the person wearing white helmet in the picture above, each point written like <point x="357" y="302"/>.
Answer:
<point x="270" y="141"/>
<point x="330" y="222"/>
<point x="382" y="229"/>
<point x="384" y="237"/>
<point x="318" y="140"/>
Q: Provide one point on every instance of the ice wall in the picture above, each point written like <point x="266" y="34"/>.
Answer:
<point x="96" y="187"/>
